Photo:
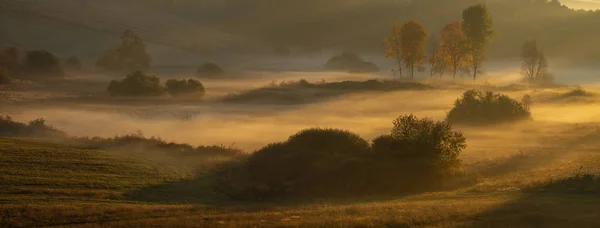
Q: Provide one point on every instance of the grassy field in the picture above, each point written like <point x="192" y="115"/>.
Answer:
<point x="44" y="183"/>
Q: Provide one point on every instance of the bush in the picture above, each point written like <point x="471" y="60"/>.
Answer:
<point x="210" y="70"/>
<point x="419" y="154"/>
<point x="310" y="163"/>
<point x="35" y="128"/>
<point x="476" y="107"/>
<point x="42" y="65"/>
<point x="351" y="62"/>
<point x="136" y="84"/>
<point x="184" y="87"/>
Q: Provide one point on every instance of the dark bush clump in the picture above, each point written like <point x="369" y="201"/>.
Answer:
<point x="210" y="70"/>
<point x="35" y="128"/>
<point x="476" y="107"/>
<point x="310" y="163"/>
<point x="178" y="88"/>
<point x="419" y="154"/>
<point x="351" y="62"/>
<point x="42" y="65"/>
<point x="136" y="84"/>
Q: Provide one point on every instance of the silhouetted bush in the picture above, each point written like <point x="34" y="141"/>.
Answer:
<point x="35" y="128"/>
<point x="42" y="65"/>
<point x="136" y="84"/>
<point x="351" y="62"/>
<point x="210" y="70"/>
<point x="419" y="154"/>
<point x="476" y="107"/>
<point x="310" y="162"/>
<point x="179" y="88"/>
<point x="426" y="149"/>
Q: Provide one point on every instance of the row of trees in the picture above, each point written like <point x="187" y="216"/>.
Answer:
<point x="34" y="65"/>
<point x="461" y="46"/>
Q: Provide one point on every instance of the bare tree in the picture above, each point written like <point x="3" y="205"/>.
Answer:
<point x="535" y="65"/>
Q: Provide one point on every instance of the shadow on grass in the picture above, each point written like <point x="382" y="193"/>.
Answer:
<point x="569" y="202"/>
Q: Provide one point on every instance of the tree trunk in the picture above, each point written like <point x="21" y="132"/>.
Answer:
<point x="400" y="68"/>
<point x="474" y="73"/>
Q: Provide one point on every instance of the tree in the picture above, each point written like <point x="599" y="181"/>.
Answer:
<point x="130" y="55"/>
<point x="184" y="87"/>
<point x="394" y="46"/>
<point x="453" y="44"/>
<point x="434" y="58"/>
<point x="73" y="63"/>
<point x="413" y="36"/>
<point x="535" y="65"/>
<point x="210" y="70"/>
<point x="42" y="63"/>
<point x="477" y="26"/>
<point x="13" y="62"/>
<point x="4" y="76"/>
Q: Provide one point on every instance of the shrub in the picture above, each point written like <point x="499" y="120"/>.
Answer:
<point x="184" y="87"/>
<point x="136" y="84"/>
<point x="35" y="128"/>
<point x="418" y="154"/>
<point x="351" y="62"/>
<point x="476" y="107"/>
<point x="310" y="163"/>
<point x="210" y="70"/>
<point x="42" y="65"/>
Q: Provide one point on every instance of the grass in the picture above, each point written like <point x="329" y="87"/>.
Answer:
<point x="45" y="183"/>
<point x="303" y="92"/>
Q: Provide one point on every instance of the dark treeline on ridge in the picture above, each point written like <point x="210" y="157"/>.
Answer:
<point x="285" y="26"/>
<point x="322" y="24"/>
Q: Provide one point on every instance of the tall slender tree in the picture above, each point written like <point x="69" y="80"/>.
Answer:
<point x="535" y="65"/>
<point x="414" y="37"/>
<point x="477" y="26"/>
<point x="394" y="46"/>
<point x="433" y="48"/>
<point x="454" y="47"/>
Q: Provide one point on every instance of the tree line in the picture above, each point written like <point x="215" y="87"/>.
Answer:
<point x="461" y="46"/>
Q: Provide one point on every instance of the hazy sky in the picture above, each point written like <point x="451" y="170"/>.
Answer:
<point x="582" y="4"/>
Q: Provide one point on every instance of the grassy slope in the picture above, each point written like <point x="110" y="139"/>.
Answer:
<point x="45" y="184"/>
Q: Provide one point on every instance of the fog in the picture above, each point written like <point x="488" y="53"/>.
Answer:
<point x="250" y="127"/>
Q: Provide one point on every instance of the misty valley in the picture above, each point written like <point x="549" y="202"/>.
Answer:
<point x="283" y="113"/>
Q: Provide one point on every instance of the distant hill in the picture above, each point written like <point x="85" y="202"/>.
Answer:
<point x="204" y="27"/>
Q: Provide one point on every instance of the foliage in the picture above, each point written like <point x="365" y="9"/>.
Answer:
<point x="453" y="43"/>
<point x="476" y="107"/>
<point x="210" y="70"/>
<point x="414" y="36"/>
<point x="425" y="148"/>
<point x="419" y="154"/>
<point x="136" y="84"/>
<point x="351" y="62"/>
<point x="184" y="87"/>
<point x="393" y="45"/>
<point x="534" y="64"/>
<point x="436" y="58"/>
<point x="35" y="128"/>
<point x="42" y="64"/>
<point x="477" y="27"/>
<point x="130" y="55"/>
